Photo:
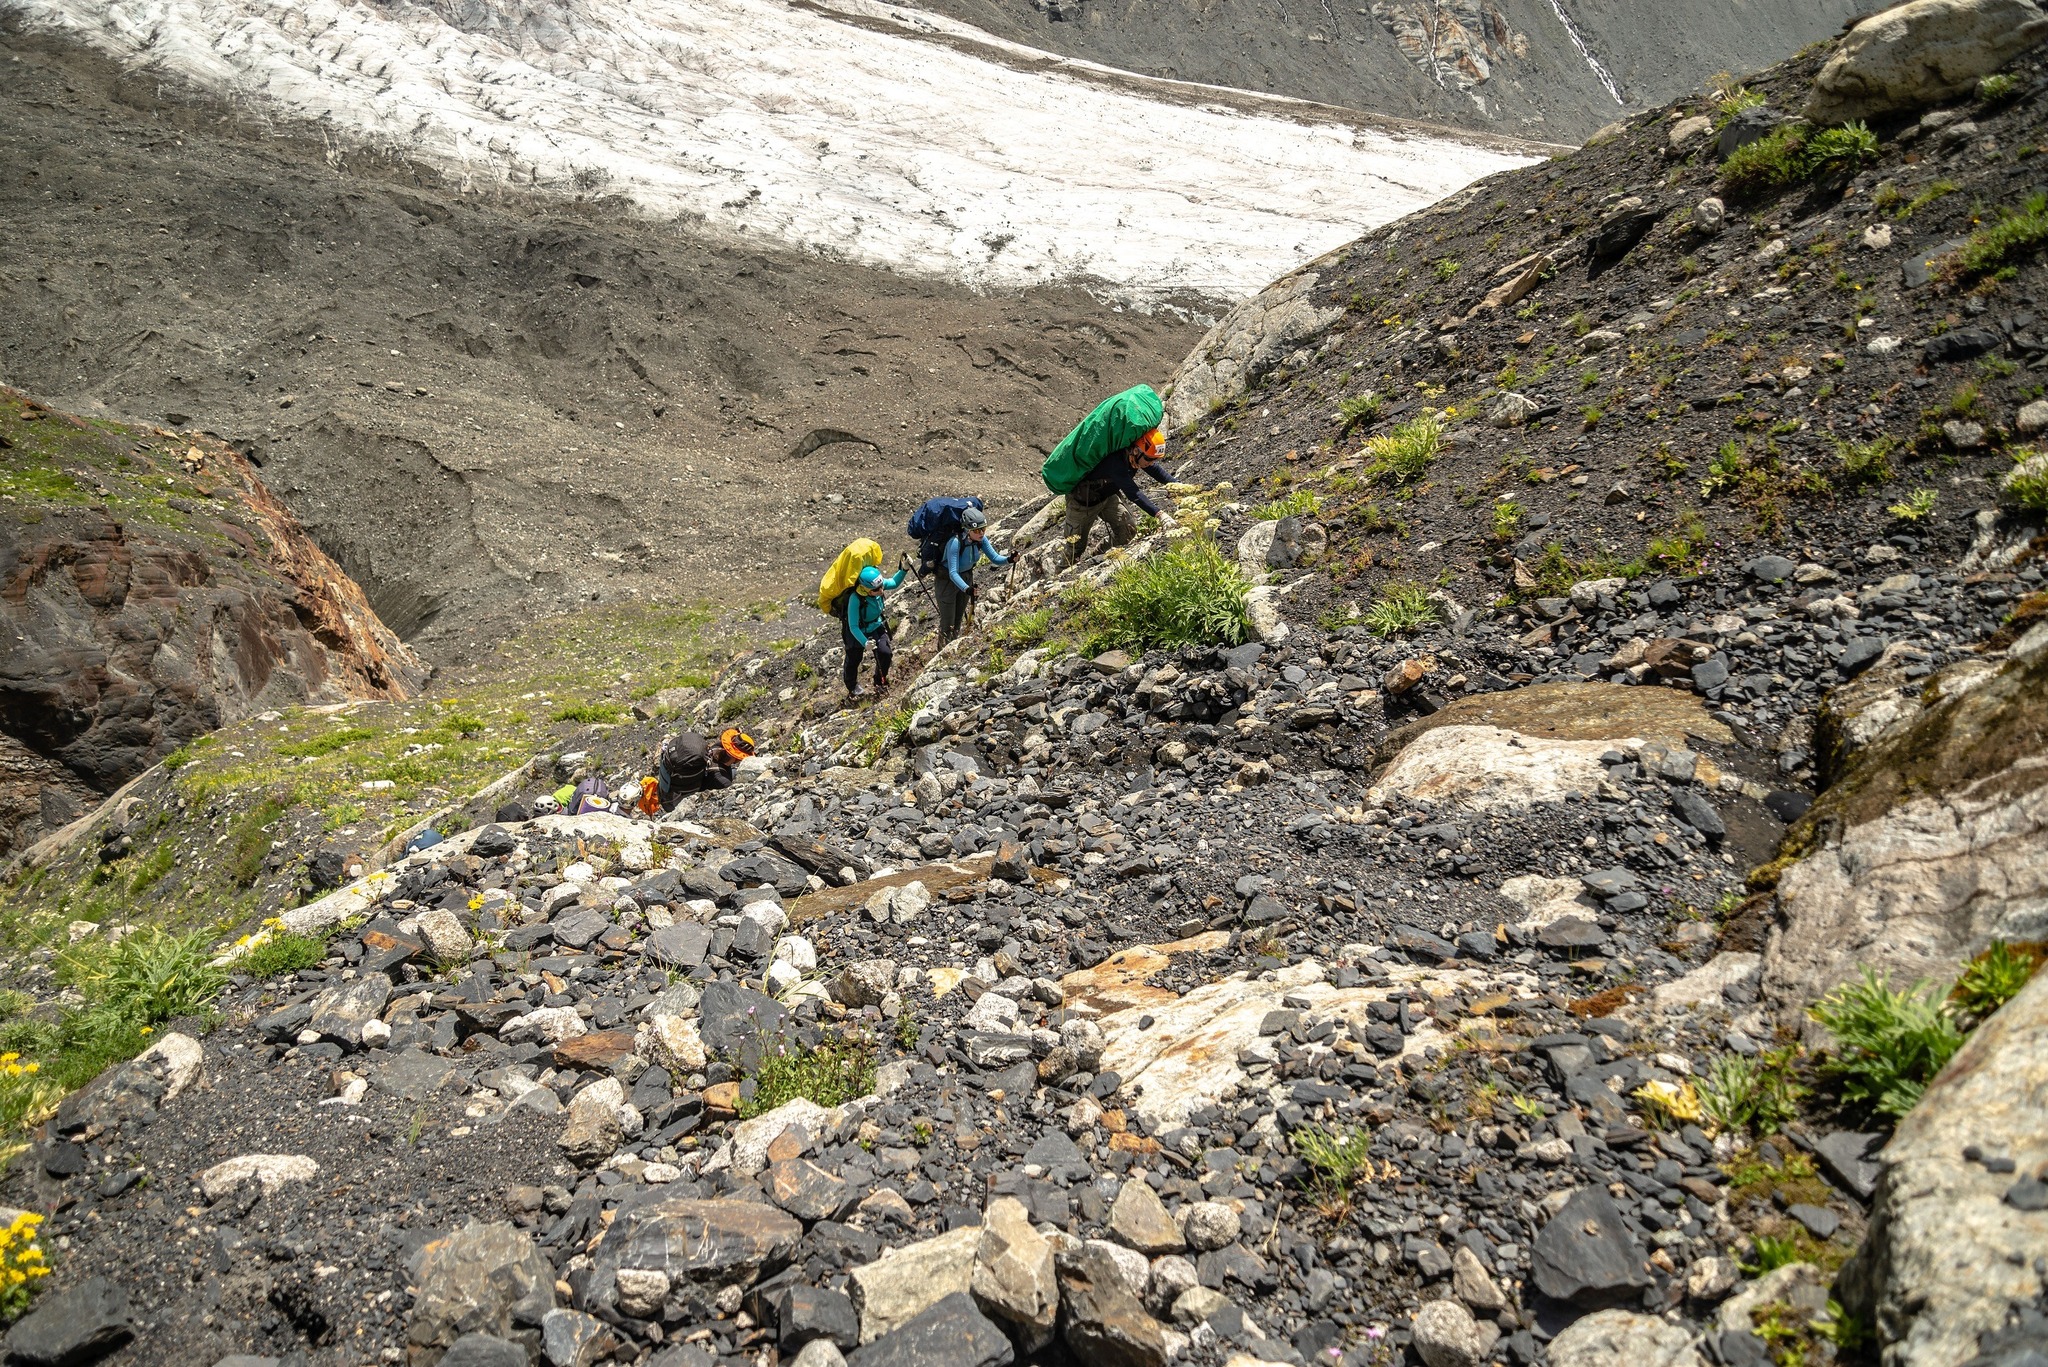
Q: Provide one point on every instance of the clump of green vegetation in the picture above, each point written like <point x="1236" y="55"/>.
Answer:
<point x="1866" y="462"/>
<point x="326" y="744"/>
<point x="1792" y="153"/>
<point x="1359" y="408"/>
<point x="1771" y="1253"/>
<point x="1773" y="162"/>
<point x="1300" y="503"/>
<point x="740" y="703"/>
<point x="282" y="952"/>
<point x="1447" y="267"/>
<point x="1507" y="520"/>
<point x="1890" y="1044"/>
<point x="1998" y="88"/>
<point x="1736" y="98"/>
<point x="1999" y="245"/>
<point x="590" y="713"/>
<point x="1338" y="1159"/>
<point x="1405" y="454"/>
<point x="127" y="989"/>
<point x="831" y="1074"/>
<point x="1992" y="979"/>
<point x="249" y="841"/>
<point x="1926" y="197"/>
<point x="2026" y="488"/>
<point x="1403" y="606"/>
<point x="1841" y="150"/>
<point x="1917" y="506"/>
<point x="1755" y="1094"/>
<point x="1185" y="595"/>
<point x="1025" y="630"/>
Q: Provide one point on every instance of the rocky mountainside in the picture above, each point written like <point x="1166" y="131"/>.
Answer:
<point x="152" y="590"/>
<point x="1539" y="863"/>
<point x="1549" y="69"/>
<point x="544" y="401"/>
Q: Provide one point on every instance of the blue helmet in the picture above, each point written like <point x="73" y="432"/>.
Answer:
<point x="870" y="577"/>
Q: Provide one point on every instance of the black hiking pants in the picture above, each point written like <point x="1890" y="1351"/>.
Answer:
<point x="885" y="651"/>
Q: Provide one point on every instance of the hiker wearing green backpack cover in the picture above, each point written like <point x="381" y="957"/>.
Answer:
<point x="1098" y="463"/>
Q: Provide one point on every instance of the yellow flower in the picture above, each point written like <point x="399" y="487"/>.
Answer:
<point x="148" y="1030"/>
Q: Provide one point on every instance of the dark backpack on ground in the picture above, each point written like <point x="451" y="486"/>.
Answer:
<point x="936" y="523"/>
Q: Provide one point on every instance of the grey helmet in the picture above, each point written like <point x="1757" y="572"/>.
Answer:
<point x="972" y="519"/>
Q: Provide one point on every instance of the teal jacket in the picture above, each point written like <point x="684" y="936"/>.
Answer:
<point x="864" y="611"/>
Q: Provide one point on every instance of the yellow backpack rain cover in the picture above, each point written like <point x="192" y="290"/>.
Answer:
<point x="845" y="571"/>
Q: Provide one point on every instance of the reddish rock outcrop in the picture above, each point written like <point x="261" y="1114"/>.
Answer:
<point x="152" y="589"/>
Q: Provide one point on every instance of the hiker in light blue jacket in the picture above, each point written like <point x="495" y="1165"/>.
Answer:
<point x="956" y="585"/>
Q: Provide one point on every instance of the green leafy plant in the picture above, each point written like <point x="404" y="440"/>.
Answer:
<point x="1996" y="245"/>
<point x="1403" y="606"/>
<point x="1359" y="408"/>
<point x="1770" y="1253"/>
<point x="1866" y="462"/>
<point x="1917" y="506"/>
<point x="1338" y="1158"/>
<point x="1998" y="88"/>
<point x="1756" y="1094"/>
<point x="1405" y="454"/>
<point x="1933" y="192"/>
<point x="906" y="1032"/>
<point x="1736" y="98"/>
<point x="1840" y="150"/>
<point x="1300" y="503"/>
<point x="597" y="713"/>
<point x="737" y="705"/>
<point x="1507" y="521"/>
<point x="21" y="1265"/>
<point x="1992" y="979"/>
<point x="832" y="1073"/>
<point x="1187" y="594"/>
<point x="1890" y="1043"/>
<point x="282" y="952"/>
<point x="1447" y="267"/>
<point x="2027" y="488"/>
<point x="1775" y="161"/>
<point x="326" y="743"/>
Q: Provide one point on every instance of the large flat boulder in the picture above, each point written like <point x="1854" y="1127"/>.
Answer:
<point x="1932" y="845"/>
<point x="1921" y="53"/>
<point x="1955" y="1247"/>
<point x="1188" y="1052"/>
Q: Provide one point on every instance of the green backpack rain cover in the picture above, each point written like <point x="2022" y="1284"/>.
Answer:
<point x="1116" y="422"/>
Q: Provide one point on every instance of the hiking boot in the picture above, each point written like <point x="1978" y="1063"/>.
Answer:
<point x="856" y="693"/>
<point x="881" y="687"/>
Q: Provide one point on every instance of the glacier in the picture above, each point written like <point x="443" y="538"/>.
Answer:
<point x="851" y="129"/>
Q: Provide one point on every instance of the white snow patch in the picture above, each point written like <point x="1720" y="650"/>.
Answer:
<point x="784" y="125"/>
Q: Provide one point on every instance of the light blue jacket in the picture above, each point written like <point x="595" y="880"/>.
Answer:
<point x="961" y="555"/>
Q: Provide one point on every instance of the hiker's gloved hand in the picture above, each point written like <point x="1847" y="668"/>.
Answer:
<point x="1166" y="520"/>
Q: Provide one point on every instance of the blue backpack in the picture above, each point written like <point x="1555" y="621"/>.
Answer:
<point x="934" y="524"/>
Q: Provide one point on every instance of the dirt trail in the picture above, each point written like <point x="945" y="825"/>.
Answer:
<point x="489" y="410"/>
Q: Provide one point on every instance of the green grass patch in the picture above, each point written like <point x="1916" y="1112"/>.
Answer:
<point x="1993" y="978"/>
<point x="1794" y="153"/>
<point x="282" y="952"/>
<point x="1917" y="506"/>
<point x="1890" y="1044"/>
<point x="1359" y="408"/>
<point x="590" y="713"/>
<point x="1405" y="454"/>
<point x="325" y="744"/>
<point x="1188" y="594"/>
<point x="1402" y="607"/>
<point x="1300" y="503"/>
<point x="2017" y="234"/>
<point x="833" y="1073"/>
<point x="249" y="841"/>
<point x="1758" y="1095"/>
<point x="1866" y="462"/>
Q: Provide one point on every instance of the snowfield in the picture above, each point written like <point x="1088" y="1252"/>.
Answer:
<point x="787" y="124"/>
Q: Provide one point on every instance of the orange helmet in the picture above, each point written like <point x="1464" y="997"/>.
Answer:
<point x="736" y="743"/>
<point x="1152" y="445"/>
